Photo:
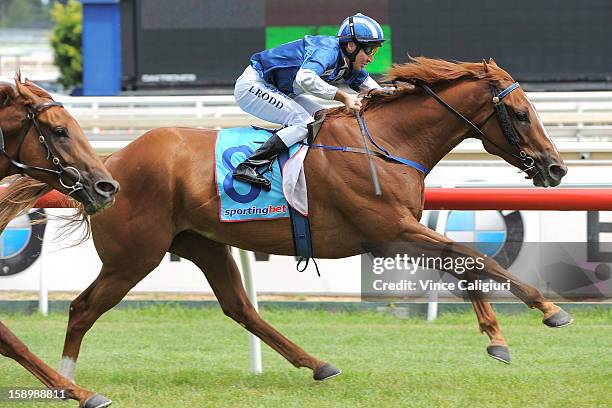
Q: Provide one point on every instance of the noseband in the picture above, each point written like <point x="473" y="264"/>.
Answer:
<point x="503" y="118"/>
<point x="33" y="112"/>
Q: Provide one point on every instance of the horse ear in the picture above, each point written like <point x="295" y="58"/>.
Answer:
<point x="32" y="85"/>
<point x="23" y="90"/>
<point x="485" y="66"/>
<point x="492" y="62"/>
<point x="410" y="57"/>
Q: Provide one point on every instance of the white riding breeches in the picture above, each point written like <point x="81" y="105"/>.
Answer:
<point x="260" y="99"/>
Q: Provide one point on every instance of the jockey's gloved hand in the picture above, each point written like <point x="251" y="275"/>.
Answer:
<point x="352" y="102"/>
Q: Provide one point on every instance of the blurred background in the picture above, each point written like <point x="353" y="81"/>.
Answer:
<point x="189" y="46"/>
<point x="25" y="41"/>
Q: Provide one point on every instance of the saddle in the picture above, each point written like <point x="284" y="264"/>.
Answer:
<point x="314" y="127"/>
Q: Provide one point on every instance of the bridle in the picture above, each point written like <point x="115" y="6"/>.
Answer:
<point x="33" y="112"/>
<point x="503" y="118"/>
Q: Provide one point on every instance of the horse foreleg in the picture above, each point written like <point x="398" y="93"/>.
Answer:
<point x="487" y="321"/>
<point x="105" y="292"/>
<point x="554" y="316"/>
<point x="218" y="265"/>
<point x="12" y="347"/>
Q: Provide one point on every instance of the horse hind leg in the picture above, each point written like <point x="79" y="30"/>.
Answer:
<point x="12" y="347"/>
<point x="218" y="265"/>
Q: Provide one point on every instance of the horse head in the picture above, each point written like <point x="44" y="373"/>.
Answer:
<point x="42" y="140"/>
<point x="489" y="104"/>
<point x="518" y="135"/>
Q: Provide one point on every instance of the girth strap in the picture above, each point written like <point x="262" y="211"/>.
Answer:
<point x="302" y="239"/>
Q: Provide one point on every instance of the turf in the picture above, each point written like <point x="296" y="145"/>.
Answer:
<point x="175" y="357"/>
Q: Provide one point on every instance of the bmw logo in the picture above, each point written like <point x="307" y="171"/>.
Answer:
<point x="21" y="243"/>
<point x="497" y="234"/>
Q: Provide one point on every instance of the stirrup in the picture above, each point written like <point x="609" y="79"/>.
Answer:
<point x="269" y="167"/>
<point x="263" y="182"/>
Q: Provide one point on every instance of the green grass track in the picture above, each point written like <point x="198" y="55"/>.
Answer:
<point x="177" y="357"/>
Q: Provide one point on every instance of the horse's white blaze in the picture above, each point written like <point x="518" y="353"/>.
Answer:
<point x="543" y="128"/>
<point x="68" y="368"/>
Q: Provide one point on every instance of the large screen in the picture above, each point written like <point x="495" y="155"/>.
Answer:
<point x="194" y="43"/>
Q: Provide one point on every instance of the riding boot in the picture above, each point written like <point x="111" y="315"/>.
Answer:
<point x="247" y="170"/>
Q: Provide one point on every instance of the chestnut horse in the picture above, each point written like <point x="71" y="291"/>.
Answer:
<point x="42" y="140"/>
<point x="169" y="201"/>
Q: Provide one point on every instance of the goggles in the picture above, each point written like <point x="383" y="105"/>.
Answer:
<point x="370" y="50"/>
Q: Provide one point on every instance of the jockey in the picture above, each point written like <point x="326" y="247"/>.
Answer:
<point x="274" y="85"/>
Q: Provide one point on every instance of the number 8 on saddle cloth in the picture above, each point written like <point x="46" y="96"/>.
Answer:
<point x="240" y="201"/>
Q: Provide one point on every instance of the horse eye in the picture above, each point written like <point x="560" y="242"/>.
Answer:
<point x="61" y="132"/>
<point x="522" y="116"/>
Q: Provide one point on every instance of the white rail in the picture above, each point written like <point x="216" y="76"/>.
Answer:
<point x="585" y="148"/>
<point x="567" y="115"/>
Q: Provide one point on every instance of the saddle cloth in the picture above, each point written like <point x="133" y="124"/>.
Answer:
<point x="240" y="201"/>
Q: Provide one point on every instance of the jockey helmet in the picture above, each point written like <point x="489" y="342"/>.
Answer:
<point x="360" y="29"/>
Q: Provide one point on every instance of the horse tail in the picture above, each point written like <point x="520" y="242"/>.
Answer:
<point x="18" y="197"/>
<point x="22" y="194"/>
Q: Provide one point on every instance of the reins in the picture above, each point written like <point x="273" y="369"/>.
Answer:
<point x="382" y="153"/>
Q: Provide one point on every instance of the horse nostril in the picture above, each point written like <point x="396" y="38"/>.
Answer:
<point x="556" y="171"/>
<point x="106" y="188"/>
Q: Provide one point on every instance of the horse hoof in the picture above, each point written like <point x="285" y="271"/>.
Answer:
<point x="97" y="401"/>
<point x="326" y="371"/>
<point x="559" y="319"/>
<point x="501" y="353"/>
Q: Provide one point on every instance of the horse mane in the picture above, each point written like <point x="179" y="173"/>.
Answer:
<point x="429" y="71"/>
<point x="19" y="196"/>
